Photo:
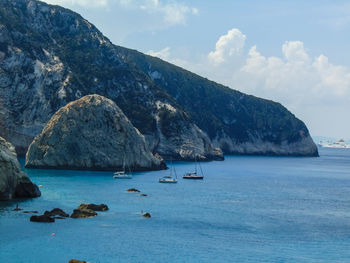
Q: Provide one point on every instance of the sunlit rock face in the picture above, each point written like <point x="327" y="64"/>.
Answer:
<point x="91" y="133"/>
<point x="50" y="56"/>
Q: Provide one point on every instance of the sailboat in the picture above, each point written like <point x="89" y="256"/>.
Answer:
<point x="194" y="175"/>
<point x="169" y="178"/>
<point x="122" y="174"/>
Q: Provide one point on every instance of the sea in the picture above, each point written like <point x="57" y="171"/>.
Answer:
<point x="247" y="209"/>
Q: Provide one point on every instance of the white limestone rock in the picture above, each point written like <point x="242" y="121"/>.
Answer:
<point x="91" y="133"/>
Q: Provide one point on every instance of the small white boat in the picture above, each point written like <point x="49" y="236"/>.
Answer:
<point x="168" y="179"/>
<point x="122" y="175"/>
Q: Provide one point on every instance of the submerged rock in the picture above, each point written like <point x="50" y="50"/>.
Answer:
<point x="56" y="212"/>
<point x="14" y="183"/>
<point x="94" y="207"/>
<point x="133" y="190"/>
<point x="83" y="213"/>
<point x="76" y="261"/>
<point x="147" y="215"/>
<point x="42" y="219"/>
<point x="91" y="133"/>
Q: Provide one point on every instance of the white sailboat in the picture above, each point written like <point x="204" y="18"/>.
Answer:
<point x="122" y="174"/>
<point x="169" y="178"/>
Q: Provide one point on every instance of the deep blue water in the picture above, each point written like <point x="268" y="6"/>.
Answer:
<point x="247" y="209"/>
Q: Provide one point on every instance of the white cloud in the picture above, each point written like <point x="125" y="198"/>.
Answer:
<point x="228" y="46"/>
<point x="314" y="89"/>
<point x="83" y="3"/>
<point x="172" y="13"/>
<point x="163" y="54"/>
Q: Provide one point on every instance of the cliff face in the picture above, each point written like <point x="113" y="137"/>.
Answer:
<point x="235" y="122"/>
<point x="50" y="56"/>
<point x="91" y="133"/>
<point x="13" y="182"/>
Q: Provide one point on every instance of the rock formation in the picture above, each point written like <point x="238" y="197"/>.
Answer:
<point x="56" y="212"/>
<point x="94" y="207"/>
<point x="42" y="219"/>
<point x="91" y="133"/>
<point x="83" y="213"/>
<point x="50" y="56"/>
<point x="13" y="182"/>
<point x="133" y="190"/>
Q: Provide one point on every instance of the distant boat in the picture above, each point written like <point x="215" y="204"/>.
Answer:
<point x="169" y="178"/>
<point x="122" y="174"/>
<point x="193" y="175"/>
<point x="338" y="144"/>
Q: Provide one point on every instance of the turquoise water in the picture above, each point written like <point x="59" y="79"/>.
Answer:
<point x="247" y="209"/>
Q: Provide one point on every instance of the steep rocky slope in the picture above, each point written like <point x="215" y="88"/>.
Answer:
<point x="91" y="133"/>
<point x="13" y="182"/>
<point x="50" y="56"/>
<point x="235" y="122"/>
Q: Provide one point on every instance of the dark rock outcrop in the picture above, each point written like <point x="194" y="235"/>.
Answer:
<point x="42" y="219"/>
<point x="147" y="215"/>
<point x="133" y="190"/>
<point x="56" y="212"/>
<point x="76" y="261"/>
<point x="94" y="207"/>
<point x="13" y="182"/>
<point x="83" y="213"/>
<point x="91" y="133"/>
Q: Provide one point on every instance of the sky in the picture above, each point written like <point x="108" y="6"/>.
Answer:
<point x="295" y="52"/>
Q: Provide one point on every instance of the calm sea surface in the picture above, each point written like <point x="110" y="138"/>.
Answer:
<point x="247" y="209"/>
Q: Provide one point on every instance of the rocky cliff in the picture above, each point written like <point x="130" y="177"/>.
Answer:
<point x="235" y="122"/>
<point x="13" y="182"/>
<point x="50" y="56"/>
<point x="91" y="133"/>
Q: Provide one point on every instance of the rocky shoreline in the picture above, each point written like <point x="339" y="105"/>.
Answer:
<point x="14" y="183"/>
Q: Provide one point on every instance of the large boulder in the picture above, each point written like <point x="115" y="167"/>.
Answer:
<point x="91" y="133"/>
<point x="83" y="213"/>
<point x="14" y="183"/>
<point x="94" y="207"/>
<point x="56" y="212"/>
<point x="42" y="219"/>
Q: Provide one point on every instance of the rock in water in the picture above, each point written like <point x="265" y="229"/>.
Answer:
<point x="13" y="182"/>
<point x="147" y="215"/>
<point x="83" y="213"/>
<point x="56" y="212"/>
<point x="94" y="207"/>
<point x="133" y="190"/>
<point x="91" y="133"/>
<point x="42" y="219"/>
<point x="76" y="261"/>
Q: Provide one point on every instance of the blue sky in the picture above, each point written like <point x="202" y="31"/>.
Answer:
<point x="293" y="52"/>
